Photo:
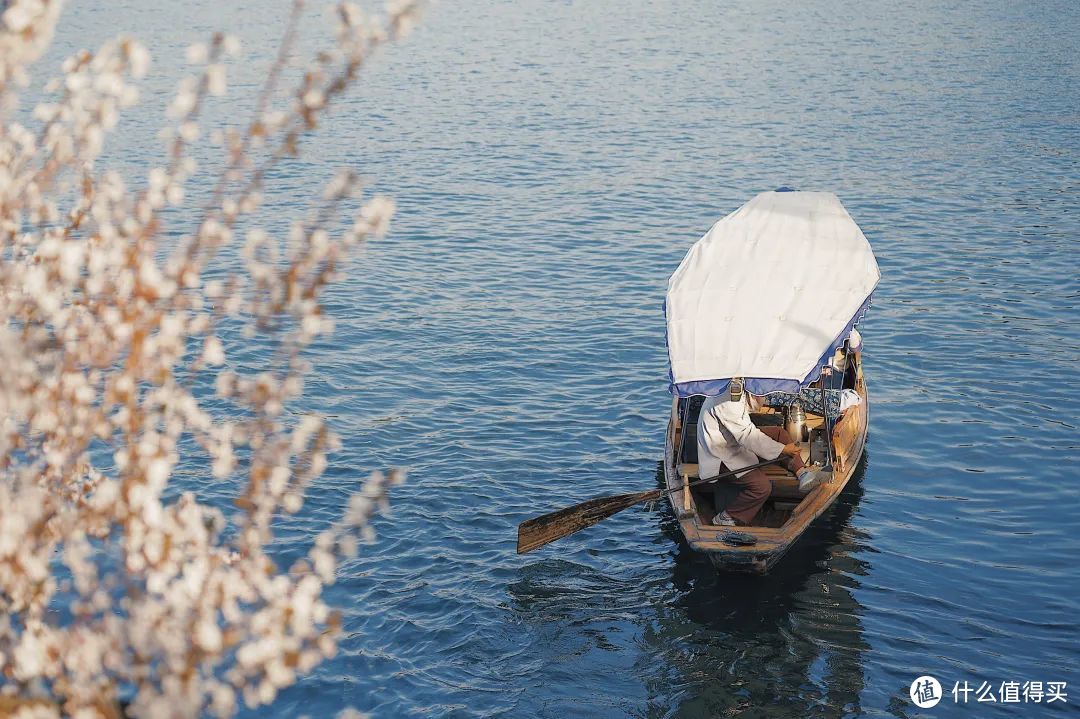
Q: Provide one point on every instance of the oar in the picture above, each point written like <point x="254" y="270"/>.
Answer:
<point x="535" y="533"/>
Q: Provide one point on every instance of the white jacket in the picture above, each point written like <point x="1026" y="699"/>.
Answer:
<point x="726" y="435"/>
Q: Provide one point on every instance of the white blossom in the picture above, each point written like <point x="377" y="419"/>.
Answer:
<point x="197" y="54"/>
<point x="113" y="351"/>
<point x="213" y="351"/>
<point x="215" y="79"/>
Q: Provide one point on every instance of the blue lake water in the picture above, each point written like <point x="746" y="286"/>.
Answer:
<point x="552" y="163"/>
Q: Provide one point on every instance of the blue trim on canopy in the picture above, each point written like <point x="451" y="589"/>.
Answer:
<point x="764" y="385"/>
<point x="753" y="385"/>
<point x="785" y="188"/>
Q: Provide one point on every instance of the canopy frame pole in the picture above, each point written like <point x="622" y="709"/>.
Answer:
<point x="682" y="405"/>
<point x="825" y="413"/>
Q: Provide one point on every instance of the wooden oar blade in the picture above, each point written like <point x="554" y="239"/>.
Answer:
<point x="537" y="532"/>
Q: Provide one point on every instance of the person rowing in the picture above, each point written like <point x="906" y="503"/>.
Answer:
<point x="728" y="441"/>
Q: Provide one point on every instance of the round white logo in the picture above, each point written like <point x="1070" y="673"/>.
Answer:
<point x="925" y="692"/>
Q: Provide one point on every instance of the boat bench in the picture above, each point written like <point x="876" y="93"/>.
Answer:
<point x="784" y="484"/>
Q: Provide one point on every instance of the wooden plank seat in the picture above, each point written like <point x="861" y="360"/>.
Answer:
<point x="784" y="484"/>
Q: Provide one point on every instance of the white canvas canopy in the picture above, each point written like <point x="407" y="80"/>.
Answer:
<point x="768" y="294"/>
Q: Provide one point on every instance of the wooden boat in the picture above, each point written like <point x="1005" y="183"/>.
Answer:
<point x="788" y="512"/>
<point x="808" y="226"/>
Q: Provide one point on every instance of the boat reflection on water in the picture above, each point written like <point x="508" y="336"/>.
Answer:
<point x="789" y="643"/>
<point x="672" y="637"/>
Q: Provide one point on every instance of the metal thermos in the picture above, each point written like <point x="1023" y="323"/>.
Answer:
<point x="796" y="422"/>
